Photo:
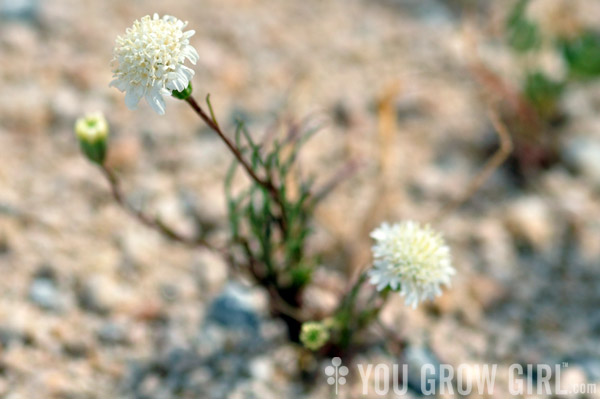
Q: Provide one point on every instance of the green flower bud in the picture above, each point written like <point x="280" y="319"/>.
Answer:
<point x="183" y="94"/>
<point x="92" y="132"/>
<point x="314" y="335"/>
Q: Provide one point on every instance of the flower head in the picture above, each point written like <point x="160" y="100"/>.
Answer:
<point x="314" y="335"/>
<point x="411" y="259"/>
<point x="148" y="60"/>
<point x="92" y="132"/>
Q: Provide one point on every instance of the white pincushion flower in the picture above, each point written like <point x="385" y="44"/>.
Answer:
<point x="148" y="60"/>
<point x="412" y="259"/>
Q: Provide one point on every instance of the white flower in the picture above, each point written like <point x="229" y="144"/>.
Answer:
<point x="412" y="259"/>
<point x="148" y="60"/>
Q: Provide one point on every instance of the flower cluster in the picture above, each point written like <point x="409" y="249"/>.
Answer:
<point x="411" y="259"/>
<point x="148" y="60"/>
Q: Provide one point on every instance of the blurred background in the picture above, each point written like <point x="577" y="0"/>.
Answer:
<point x="93" y="305"/>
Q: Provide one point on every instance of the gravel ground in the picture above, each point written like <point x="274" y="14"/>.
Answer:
<point x="93" y="305"/>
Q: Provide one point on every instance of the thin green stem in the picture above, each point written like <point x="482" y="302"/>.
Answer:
<point x="149" y="221"/>
<point x="267" y="184"/>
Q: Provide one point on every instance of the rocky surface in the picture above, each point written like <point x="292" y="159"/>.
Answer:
<point x="93" y="305"/>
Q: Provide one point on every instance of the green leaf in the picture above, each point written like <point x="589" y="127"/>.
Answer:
<point x="523" y="35"/>
<point x="543" y="93"/>
<point x="582" y="55"/>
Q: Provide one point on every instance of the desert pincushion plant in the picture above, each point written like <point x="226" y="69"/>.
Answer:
<point x="270" y="221"/>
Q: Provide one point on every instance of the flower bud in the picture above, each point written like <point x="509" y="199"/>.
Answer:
<point x="314" y="335"/>
<point x="92" y="132"/>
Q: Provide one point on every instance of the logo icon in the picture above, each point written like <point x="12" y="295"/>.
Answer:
<point x="336" y="373"/>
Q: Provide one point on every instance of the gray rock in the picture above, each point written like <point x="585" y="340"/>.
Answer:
<point x="113" y="334"/>
<point x="44" y="292"/>
<point x="232" y="309"/>
<point x="432" y="12"/>
<point x="88" y="300"/>
<point x="261" y="368"/>
<point x="416" y="358"/>
<point x="19" y="9"/>
<point x="583" y="154"/>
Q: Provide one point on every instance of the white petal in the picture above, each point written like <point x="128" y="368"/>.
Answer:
<point x="191" y="54"/>
<point x="132" y="97"/>
<point x="156" y="102"/>
<point x="118" y="83"/>
<point x="186" y="72"/>
<point x="176" y="83"/>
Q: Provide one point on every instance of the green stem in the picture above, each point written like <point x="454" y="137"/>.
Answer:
<point x="267" y="184"/>
<point x="149" y="221"/>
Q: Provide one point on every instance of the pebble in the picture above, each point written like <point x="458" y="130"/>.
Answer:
<point x="112" y="334"/>
<point x="529" y="218"/>
<point x="417" y="357"/>
<point x="87" y="299"/>
<point x="583" y="154"/>
<point x="233" y="309"/>
<point x="261" y="368"/>
<point x="486" y="291"/>
<point x="19" y="9"/>
<point x="45" y="294"/>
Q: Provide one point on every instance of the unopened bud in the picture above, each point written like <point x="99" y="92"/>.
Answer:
<point x="92" y="132"/>
<point x="314" y="335"/>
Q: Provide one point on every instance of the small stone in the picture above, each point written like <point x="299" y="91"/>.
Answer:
<point x="112" y="334"/>
<point x="9" y="336"/>
<point x="583" y="154"/>
<point x="261" y="368"/>
<point x="19" y="9"/>
<point x="75" y="349"/>
<point x="416" y="358"/>
<point x="87" y="299"/>
<point x="232" y="309"/>
<point x="529" y="218"/>
<point x="211" y="272"/>
<point x="486" y="291"/>
<point x="45" y="294"/>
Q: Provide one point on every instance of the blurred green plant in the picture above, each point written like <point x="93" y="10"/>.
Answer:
<point x="543" y="93"/>
<point x="580" y="54"/>
<point x="552" y="62"/>
<point x="522" y="34"/>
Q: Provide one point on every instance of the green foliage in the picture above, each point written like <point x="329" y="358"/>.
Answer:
<point x="272" y="233"/>
<point x="543" y="93"/>
<point x="582" y="55"/>
<point x="522" y="34"/>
